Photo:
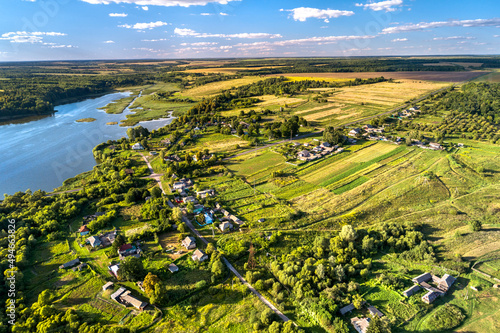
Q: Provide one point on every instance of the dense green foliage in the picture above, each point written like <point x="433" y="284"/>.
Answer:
<point x="445" y="318"/>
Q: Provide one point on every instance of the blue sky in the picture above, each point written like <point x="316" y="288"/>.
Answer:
<point x="143" y="29"/>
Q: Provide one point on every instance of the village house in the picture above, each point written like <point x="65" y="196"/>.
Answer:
<point x="127" y="250"/>
<point x="94" y="241"/>
<point x="189" y="243"/>
<point x="127" y="299"/>
<point x="83" y="230"/>
<point x="446" y="282"/>
<point x="137" y="146"/>
<point x="189" y="199"/>
<point x="205" y="193"/>
<point x="107" y="238"/>
<point x="225" y="226"/>
<point x="354" y="132"/>
<point x="360" y="324"/>
<point x="422" y="278"/>
<point x="199" y="255"/>
<point x="435" y="146"/>
<point x="70" y="264"/>
<point x="235" y="219"/>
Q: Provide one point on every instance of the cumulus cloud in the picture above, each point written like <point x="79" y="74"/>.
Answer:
<point x="303" y="13"/>
<point x="439" y="24"/>
<point x="144" y="26"/>
<point x="223" y="14"/>
<point x="387" y="5"/>
<point x="454" y="38"/>
<point x="118" y="14"/>
<point x="191" y="33"/>
<point x="146" y="8"/>
<point x="165" y="3"/>
<point x="28" y="37"/>
<point x="109" y="42"/>
<point x="400" y="40"/>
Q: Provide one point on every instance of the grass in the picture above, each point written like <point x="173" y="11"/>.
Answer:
<point x="253" y="165"/>
<point x="119" y="106"/>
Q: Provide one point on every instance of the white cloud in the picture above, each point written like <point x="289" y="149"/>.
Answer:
<point x="28" y="37"/>
<point x="109" y="42"/>
<point x="453" y="38"/>
<point x="223" y="14"/>
<point x="118" y="14"/>
<point x="154" y="40"/>
<point x="144" y="26"/>
<point x="303" y="13"/>
<point x="439" y="24"/>
<point x="496" y="36"/>
<point x="191" y="33"/>
<point x="63" y="46"/>
<point x="205" y="14"/>
<point x="387" y="5"/>
<point x="310" y="40"/>
<point x="400" y="40"/>
<point x="146" y="8"/>
<point x="199" y="44"/>
<point x="165" y="3"/>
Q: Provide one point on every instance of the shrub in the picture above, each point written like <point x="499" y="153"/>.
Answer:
<point x="445" y="318"/>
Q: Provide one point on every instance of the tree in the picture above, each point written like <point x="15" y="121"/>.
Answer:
<point x="357" y="301"/>
<point x="150" y="281"/>
<point x="333" y="135"/>
<point x="190" y="207"/>
<point x="275" y="327"/>
<point x="378" y="326"/>
<point x="348" y="233"/>
<point x="156" y="192"/>
<point x="339" y="326"/>
<point x="320" y="271"/>
<point x="177" y="214"/>
<point x="476" y="225"/>
<point x="210" y="249"/>
<point x="131" y="269"/>
<point x="218" y="268"/>
<point x="267" y="316"/>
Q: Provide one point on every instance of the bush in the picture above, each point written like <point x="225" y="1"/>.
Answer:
<point x="445" y="318"/>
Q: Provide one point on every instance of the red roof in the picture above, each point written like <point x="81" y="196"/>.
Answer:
<point x="83" y="228"/>
<point x="125" y="247"/>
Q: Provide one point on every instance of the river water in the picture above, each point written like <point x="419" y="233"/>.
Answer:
<point x="41" y="154"/>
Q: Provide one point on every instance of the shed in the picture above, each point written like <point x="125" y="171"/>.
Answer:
<point x="374" y="311"/>
<point x="116" y="294"/>
<point x="225" y="226"/>
<point x="173" y="268"/>
<point x="346" y="309"/>
<point x="189" y="242"/>
<point x="411" y="291"/>
<point x="430" y="297"/>
<point x="70" y="264"/>
<point x="107" y="286"/>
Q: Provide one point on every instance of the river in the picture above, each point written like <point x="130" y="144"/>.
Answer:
<point x="42" y="153"/>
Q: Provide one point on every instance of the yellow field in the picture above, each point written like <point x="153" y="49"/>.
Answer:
<point x="214" y="88"/>
<point x="268" y="100"/>
<point x="363" y="155"/>
<point x="367" y="100"/>
<point x="326" y="113"/>
<point x="386" y="93"/>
